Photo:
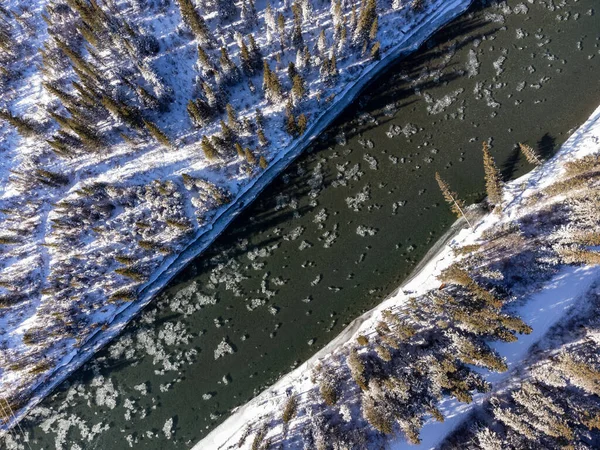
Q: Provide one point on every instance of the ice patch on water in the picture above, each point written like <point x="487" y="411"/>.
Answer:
<point x="473" y="64"/>
<point x="364" y="231"/>
<point x="443" y="103"/>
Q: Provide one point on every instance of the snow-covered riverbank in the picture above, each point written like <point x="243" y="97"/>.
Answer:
<point x="563" y="290"/>
<point x="440" y="14"/>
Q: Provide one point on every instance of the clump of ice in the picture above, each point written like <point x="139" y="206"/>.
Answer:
<point x="363" y="231"/>
<point x="473" y="64"/>
<point x="168" y="428"/>
<point x="223" y="349"/>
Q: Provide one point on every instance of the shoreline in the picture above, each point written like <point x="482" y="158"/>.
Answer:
<point x="70" y="363"/>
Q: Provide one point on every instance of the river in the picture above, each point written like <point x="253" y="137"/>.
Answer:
<point x="338" y="230"/>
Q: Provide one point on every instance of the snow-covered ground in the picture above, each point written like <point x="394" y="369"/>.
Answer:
<point x="108" y="319"/>
<point x="541" y="310"/>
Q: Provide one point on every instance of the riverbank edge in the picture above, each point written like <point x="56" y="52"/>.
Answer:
<point x="70" y="363"/>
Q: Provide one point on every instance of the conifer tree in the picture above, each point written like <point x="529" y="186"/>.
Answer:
<point x="374" y="29"/>
<point x="228" y="68"/>
<point x="213" y="99"/>
<point x="530" y="154"/>
<point x="209" y="149"/>
<point x="271" y="84"/>
<point x="259" y="118"/>
<point x="232" y="119"/>
<point x="249" y="14"/>
<point x="456" y="204"/>
<point x="206" y="66"/>
<point x="250" y="156"/>
<point x="195" y="21"/>
<point x="262" y="139"/>
<point x="227" y="134"/>
<point x="281" y="30"/>
<point x="493" y="181"/>
<point x="375" y="51"/>
<point x="291" y="128"/>
<point x="157" y="134"/>
<point x="254" y="52"/>
<point x="24" y="127"/>
<point x="368" y="15"/>
<point x="262" y="162"/>
<point x="302" y="124"/>
<point x="239" y="150"/>
<point x="298" y="88"/>
<point x="322" y="43"/>
<point x="199" y="112"/>
<point x="297" y="39"/>
<point x="246" y="60"/>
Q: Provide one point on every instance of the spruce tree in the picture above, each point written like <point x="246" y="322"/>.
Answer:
<point x="158" y="134"/>
<point x="368" y="15"/>
<point x="302" y="124"/>
<point x="232" y="119"/>
<point x="249" y="14"/>
<point x="259" y="118"/>
<point x="271" y="84"/>
<point x="228" y="68"/>
<point x="24" y="127"/>
<point x="206" y="66"/>
<point x="246" y="60"/>
<point x="195" y="21"/>
<point x="297" y="39"/>
<point x="239" y="150"/>
<point x="375" y="51"/>
<point x="262" y="162"/>
<point x="209" y="149"/>
<point x="291" y="128"/>
<point x="456" y="204"/>
<point x="298" y="88"/>
<point x="493" y="180"/>
<point x="250" y="157"/>
<point x="227" y="134"/>
<point x="530" y="154"/>
<point x="262" y="139"/>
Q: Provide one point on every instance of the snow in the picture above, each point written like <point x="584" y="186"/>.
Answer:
<point x="541" y="310"/>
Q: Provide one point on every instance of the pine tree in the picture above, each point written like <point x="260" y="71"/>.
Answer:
<point x="281" y="30"/>
<point x="249" y="14"/>
<point x="213" y="99"/>
<point x="297" y="39"/>
<point x="209" y="149"/>
<point x="250" y="156"/>
<point x="259" y="118"/>
<point x="493" y="180"/>
<point x="271" y="84"/>
<point x="206" y="66"/>
<point x="195" y="21"/>
<point x="262" y="139"/>
<point x="322" y="43"/>
<point x="158" y="134"/>
<point x="368" y="15"/>
<point x="199" y="112"/>
<point x="530" y="154"/>
<point x="246" y="60"/>
<point x="228" y="68"/>
<point x="375" y="51"/>
<point x="456" y="204"/>
<point x="254" y="52"/>
<point x="227" y="134"/>
<point x="24" y="127"/>
<point x="291" y="128"/>
<point x="374" y="29"/>
<point x="232" y="119"/>
<point x="298" y="89"/>
<point x="302" y="124"/>
<point x="239" y="150"/>
<point x="262" y="162"/>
